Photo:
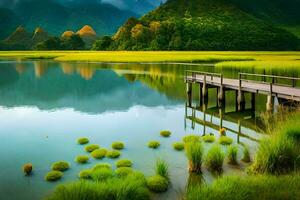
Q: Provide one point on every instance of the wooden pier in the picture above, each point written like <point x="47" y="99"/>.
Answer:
<point x="279" y="87"/>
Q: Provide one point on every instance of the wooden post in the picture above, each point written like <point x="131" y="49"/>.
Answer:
<point x="200" y="95"/>
<point x="269" y="105"/>
<point x="241" y="96"/>
<point x="221" y="94"/>
<point x="189" y="93"/>
<point x="204" y="92"/>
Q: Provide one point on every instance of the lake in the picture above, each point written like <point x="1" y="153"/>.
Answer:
<point x="45" y="106"/>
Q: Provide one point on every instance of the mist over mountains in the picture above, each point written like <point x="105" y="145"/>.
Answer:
<point x="56" y="16"/>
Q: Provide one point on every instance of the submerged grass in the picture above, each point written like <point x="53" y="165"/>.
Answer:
<point x="260" y="187"/>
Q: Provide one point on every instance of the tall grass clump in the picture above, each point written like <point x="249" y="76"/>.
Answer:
<point x="246" y="154"/>
<point x="260" y="187"/>
<point x="102" y="174"/>
<point x="232" y="154"/>
<point x="214" y="159"/>
<point x="131" y="187"/>
<point x="162" y="168"/>
<point x="275" y="155"/>
<point x="194" y="153"/>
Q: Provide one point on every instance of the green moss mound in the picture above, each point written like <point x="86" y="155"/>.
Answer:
<point x="157" y="184"/>
<point x="92" y="147"/>
<point x="124" y="163"/>
<point x="153" y="144"/>
<point x="53" y="176"/>
<point x="60" y="166"/>
<point x="124" y="171"/>
<point x="85" y="174"/>
<point x="118" y="145"/>
<point x="165" y="133"/>
<point x="82" y="159"/>
<point x="99" y="153"/>
<point x="179" y="146"/>
<point x="224" y="140"/>
<point x="83" y="141"/>
<point x="102" y="165"/>
<point x="214" y="159"/>
<point x="191" y="138"/>
<point x="209" y="138"/>
<point x="113" y="154"/>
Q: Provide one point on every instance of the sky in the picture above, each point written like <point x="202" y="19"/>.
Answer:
<point x="118" y="3"/>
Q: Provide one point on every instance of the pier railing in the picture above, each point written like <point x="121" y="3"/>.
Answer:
<point x="270" y="79"/>
<point x="205" y="76"/>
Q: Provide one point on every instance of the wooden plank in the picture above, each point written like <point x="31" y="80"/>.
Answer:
<point x="285" y="92"/>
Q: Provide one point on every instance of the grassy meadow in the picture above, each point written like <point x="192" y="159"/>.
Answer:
<point x="221" y="58"/>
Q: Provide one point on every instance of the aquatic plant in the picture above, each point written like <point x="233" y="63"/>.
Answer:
<point x="191" y="138"/>
<point x="92" y="147"/>
<point x="232" y="154"/>
<point x="118" y="145"/>
<point x="102" y="165"/>
<point x="123" y="171"/>
<point x="60" y="166"/>
<point x="214" y="159"/>
<point x="124" y="163"/>
<point x="99" y="153"/>
<point x="222" y="131"/>
<point x="153" y="144"/>
<point x="113" y="154"/>
<point x="131" y="187"/>
<point x="85" y="174"/>
<point x="53" y="176"/>
<point x="224" y="140"/>
<point x="179" y="146"/>
<point x="165" y="133"/>
<point x="208" y="138"/>
<point x="246" y="154"/>
<point x="82" y="159"/>
<point x="83" y="140"/>
<point x="27" y="169"/>
<point x="275" y="155"/>
<point x="261" y="187"/>
<point x="194" y="153"/>
<point x="102" y="174"/>
<point x="157" y="184"/>
<point x="162" y="168"/>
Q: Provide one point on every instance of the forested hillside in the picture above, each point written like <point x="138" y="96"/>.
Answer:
<point x="200" y="25"/>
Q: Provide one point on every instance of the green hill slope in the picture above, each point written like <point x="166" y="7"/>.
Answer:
<point x="201" y="25"/>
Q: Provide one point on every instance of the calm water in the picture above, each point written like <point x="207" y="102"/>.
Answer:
<point x="46" y="106"/>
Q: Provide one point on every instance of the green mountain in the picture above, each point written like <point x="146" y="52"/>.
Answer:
<point x="201" y="25"/>
<point x="20" y="39"/>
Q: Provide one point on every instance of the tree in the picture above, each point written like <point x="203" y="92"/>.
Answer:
<point x="103" y="44"/>
<point x="73" y="42"/>
<point x="53" y="43"/>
